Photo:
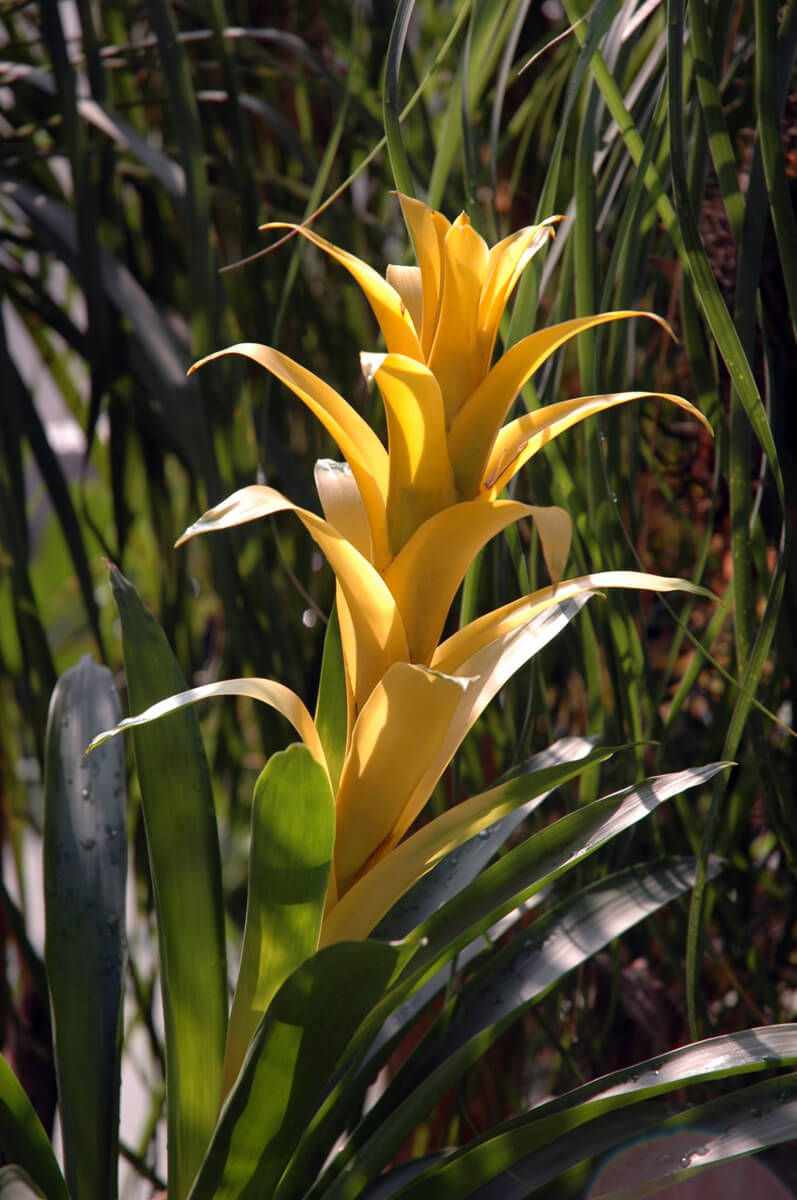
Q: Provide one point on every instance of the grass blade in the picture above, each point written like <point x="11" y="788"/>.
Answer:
<point x="391" y="113"/>
<point x="696" y="261"/>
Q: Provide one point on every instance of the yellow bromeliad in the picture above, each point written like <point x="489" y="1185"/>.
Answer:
<point x="419" y="511"/>
<point x="401" y="526"/>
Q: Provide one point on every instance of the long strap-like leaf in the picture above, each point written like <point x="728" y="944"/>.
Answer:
<point x="182" y="839"/>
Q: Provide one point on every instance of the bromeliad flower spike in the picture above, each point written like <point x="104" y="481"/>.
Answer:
<point x="421" y="509"/>
<point x="401" y="526"/>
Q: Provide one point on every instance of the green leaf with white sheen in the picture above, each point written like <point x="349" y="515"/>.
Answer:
<point x="375" y="893"/>
<point x="543" y="858"/>
<point x="85" y="872"/>
<point x="503" y="1149"/>
<point x="502" y="888"/>
<point x="510" y="982"/>
<point x="668" y="1150"/>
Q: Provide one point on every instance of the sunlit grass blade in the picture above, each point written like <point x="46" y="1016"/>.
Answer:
<point x="736" y="727"/>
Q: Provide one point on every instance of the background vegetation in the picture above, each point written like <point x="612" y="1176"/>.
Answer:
<point x="142" y="145"/>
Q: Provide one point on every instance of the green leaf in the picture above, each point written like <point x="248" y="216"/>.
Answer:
<point x="330" y="712"/>
<point x="297" y="1047"/>
<point x="540" y="860"/>
<point x="182" y="839"/>
<point x="503" y="887"/>
<point x="511" y="981"/>
<point x="504" y="1148"/>
<point x="23" y="1139"/>
<point x="85" y="872"/>
<point x="527" y="787"/>
<point x="290" y="856"/>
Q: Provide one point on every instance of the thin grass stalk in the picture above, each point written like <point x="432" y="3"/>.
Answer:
<point x="769" y="116"/>
<point x="471" y="174"/>
<point x="399" y="163"/>
<point x="719" y="138"/>
<point x="631" y="136"/>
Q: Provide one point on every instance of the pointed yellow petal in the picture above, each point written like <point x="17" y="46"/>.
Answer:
<point x="474" y="429"/>
<point x="460" y="649"/>
<point x="426" y="573"/>
<point x="268" y="691"/>
<point x="428" y="229"/>
<point x="555" y="530"/>
<point x="373" y="635"/>
<point x="357" y="441"/>
<point x="394" y="759"/>
<point x="454" y="355"/>
<point x="342" y="503"/>
<point x="392" y="315"/>
<point x="421" y="481"/>
<point x="407" y="282"/>
<point x="505" y="264"/>
<point x="520" y="439"/>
